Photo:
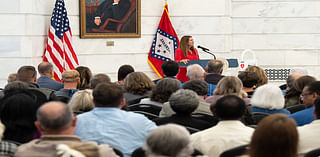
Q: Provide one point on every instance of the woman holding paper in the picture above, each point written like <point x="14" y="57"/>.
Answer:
<point x="184" y="53"/>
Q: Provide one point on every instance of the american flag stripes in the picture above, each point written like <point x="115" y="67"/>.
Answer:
<point x="59" y="50"/>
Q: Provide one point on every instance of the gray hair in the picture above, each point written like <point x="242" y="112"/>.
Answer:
<point x="58" y="119"/>
<point x="169" y="140"/>
<point x="81" y="101"/>
<point x="195" y="72"/>
<point x="215" y="66"/>
<point x="268" y="96"/>
<point x="184" y="101"/>
<point x="300" y="71"/>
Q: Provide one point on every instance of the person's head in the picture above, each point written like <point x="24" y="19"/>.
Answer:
<point x="27" y="74"/>
<point x="268" y="96"/>
<point x="12" y="77"/>
<point x="186" y="44"/>
<point x="170" y="68"/>
<point x="261" y="74"/>
<point x="169" y="140"/>
<point x="291" y="78"/>
<point x="184" y="101"/>
<point x="310" y="93"/>
<point x="45" y="68"/>
<point x="70" y="76"/>
<point x="195" y="72"/>
<point x="215" y="66"/>
<point x="316" y="111"/>
<point x="18" y="113"/>
<point x="229" y="107"/>
<point x="301" y="82"/>
<point x="299" y="71"/>
<point x="200" y="87"/>
<point x="229" y="85"/>
<point x="163" y="89"/>
<point x="15" y="85"/>
<point x="276" y="136"/>
<point x="55" y="118"/>
<point x="123" y="71"/>
<point x="138" y="83"/>
<point x="85" y="76"/>
<point x="248" y="79"/>
<point x="108" y="95"/>
<point x="99" y="78"/>
<point x="81" y="101"/>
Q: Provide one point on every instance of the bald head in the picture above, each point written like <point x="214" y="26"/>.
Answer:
<point x="55" y="116"/>
<point x="45" y="68"/>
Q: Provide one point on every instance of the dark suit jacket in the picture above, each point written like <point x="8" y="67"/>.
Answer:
<point x="47" y="82"/>
<point x="213" y="78"/>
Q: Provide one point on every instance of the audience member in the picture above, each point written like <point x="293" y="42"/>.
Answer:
<point x="197" y="86"/>
<point x="268" y="99"/>
<point x="81" y="101"/>
<point x="249" y="81"/>
<point x="309" y="94"/>
<point x="183" y="102"/>
<point x="276" y="136"/>
<point x="195" y="72"/>
<point x="45" y="80"/>
<point x="169" y="69"/>
<point x="293" y="94"/>
<point x="70" y="79"/>
<point x="263" y="79"/>
<point x="138" y="86"/>
<point x="309" y="134"/>
<point x="85" y="77"/>
<point x="123" y="71"/>
<point x="56" y="122"/>
<point x="13" y="85"/>
<point x="215" y="69"/>
<point x="228" y="133"/>
<point x="99" y="78"/>
<point x="169" y="141"/>
<point x="12" y="77"/>
<point x="162" y="91"/>
<point x="294" y="74"/>
<point x="107" y="124"/>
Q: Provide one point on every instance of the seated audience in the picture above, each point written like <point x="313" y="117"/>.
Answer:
<point x="123" y="71"/>
<point x="263" y="79"/>
<point x="183" y="102"/>
<point x="275" y="136"/>
<point x="45" y="80"/>
<point x="309" y="134"/>
<point x="70" y="79"/>
<point x="81" y="101"/>
<point x="195" y="72"/>
<point x="162" y="91"/>
<point x="249" y="81"/>
<point x="169" y="69"/>
<point x="99" y="78"/>
<point x="293" y="94"/>
<point x="107" y="124"/>
<point x="137" y="86"/>
<point x="85" y="77"/>
<point x="309" y="95"/>
<point x="268" y="99"/>
<point x="214" y="71"/>
<point x="13" y="85"/>
<point x="226" y="86"/>
<point x="56" y="122"/>
<point x="80" y="149"/>
<point x="12" y="77"/>
<point x="230" y="132"/>
<point x="197" y="86"/>
<point x="168" y="141"/>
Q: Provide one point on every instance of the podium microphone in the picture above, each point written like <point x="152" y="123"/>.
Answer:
<point x="206" y="50"/>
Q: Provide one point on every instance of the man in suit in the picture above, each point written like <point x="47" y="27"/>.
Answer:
<point x="45" y="80"/>
<point x="115" y="9"/>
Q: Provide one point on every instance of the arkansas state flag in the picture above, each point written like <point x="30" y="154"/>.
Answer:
<point x="164" y="43"/>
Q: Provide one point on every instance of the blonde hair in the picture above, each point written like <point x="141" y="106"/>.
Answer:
<point x="229" y="85"/>
<point x="70" y="76"/>
<point x="263" y="79"/>
<point x="82" y="101"/>
<point x="138" y="83"/>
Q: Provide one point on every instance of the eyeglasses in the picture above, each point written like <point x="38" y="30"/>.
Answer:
<point x="303" y="95"/>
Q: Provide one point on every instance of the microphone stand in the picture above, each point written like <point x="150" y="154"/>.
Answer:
<point x="207" y="51"/>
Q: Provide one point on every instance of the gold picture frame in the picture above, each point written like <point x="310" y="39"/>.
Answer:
<point x="127" y="24"/>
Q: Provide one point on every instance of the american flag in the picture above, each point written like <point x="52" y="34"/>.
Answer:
<point x="59" y="49"/>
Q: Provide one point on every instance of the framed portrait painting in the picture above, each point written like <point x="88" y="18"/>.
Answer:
<point x="110" y="18"/>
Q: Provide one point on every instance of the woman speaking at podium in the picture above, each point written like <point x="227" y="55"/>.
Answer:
<point x="184" y="53"/>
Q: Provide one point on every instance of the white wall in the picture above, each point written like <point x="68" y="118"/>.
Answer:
<point x="283" y="33"/>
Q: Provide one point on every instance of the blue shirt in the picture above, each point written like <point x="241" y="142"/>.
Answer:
<point x="258" y="109"/>
<point x="304" y="116"/>
<point x="47" y="82"/>
<point x="122" y="130"/>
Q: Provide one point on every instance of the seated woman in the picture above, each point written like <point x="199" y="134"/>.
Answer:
<point x="138" y="86"/>
<point x="81" y="101"/>
<point x="268" y="99"/>
<point x="263" y="79"/>
<point x="249" y="81"/>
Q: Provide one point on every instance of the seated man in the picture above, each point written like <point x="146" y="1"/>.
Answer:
<point x="45" y="80"/>
<point x="70" y="79"/>
<point x="169" y="69"/>
<point x="108" y="124"/>
<point x="56" y="123"/>
<point x="228" y="133"/>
